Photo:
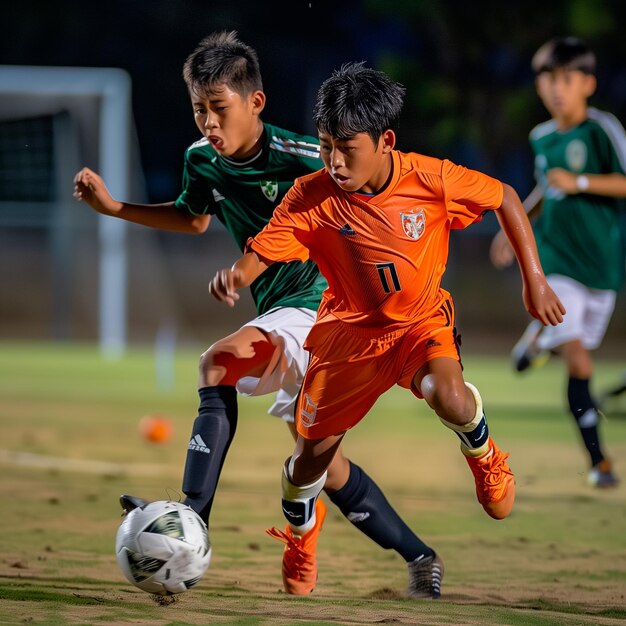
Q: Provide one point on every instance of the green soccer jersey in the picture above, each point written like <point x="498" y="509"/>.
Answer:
<point x="579" y="235"/>
<point x="243" y="195"/>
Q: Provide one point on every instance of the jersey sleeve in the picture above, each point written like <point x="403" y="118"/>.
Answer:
<point x="195" y="197"/>
<point x="469" y="194"/>
<point x="282" y="239"/>
<point x="616" y="137"/>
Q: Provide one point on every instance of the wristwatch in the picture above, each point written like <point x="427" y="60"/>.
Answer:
<point x="582" y="183"/>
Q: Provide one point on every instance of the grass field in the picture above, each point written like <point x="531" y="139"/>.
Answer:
<point x="69" y="446"/>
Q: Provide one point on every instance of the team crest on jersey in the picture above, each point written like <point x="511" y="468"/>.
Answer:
<point x="413" y="223"/>
<point x="576" y="155"/>
<point x="269" y="189"/>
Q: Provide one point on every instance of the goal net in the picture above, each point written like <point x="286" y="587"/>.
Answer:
<point x="53" y="120"/>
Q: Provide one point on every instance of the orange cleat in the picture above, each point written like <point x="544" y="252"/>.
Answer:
<point x="299" y="560"/>
<point x="495" y="483"/>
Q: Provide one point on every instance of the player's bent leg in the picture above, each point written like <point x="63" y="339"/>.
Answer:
<point x="366" y="507"/>
<point x="212" y="433"/>
<point x="303" y="510"/>
<point x="305" y="514"/>
<point x="244" y="352"/>
<point x="440" y="382"/>
<point x="459" y="407"/>
<point x="584" y="410"/>
<point x="299" y="564"/>
<point x="495" y="483"/>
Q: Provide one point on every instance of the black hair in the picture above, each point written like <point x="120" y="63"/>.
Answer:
<point x="221" y="58"/>
<point x="357" y="99"/>
<point x="564" y="53"/>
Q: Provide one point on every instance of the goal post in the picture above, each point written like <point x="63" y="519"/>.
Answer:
<point x="35" y="90"/>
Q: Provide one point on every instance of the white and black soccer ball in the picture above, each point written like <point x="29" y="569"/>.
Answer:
<point x="163" y="547"/>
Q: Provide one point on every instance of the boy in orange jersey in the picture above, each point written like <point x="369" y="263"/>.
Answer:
<point x="237" y="173"/>
<point x="377" y="223"/>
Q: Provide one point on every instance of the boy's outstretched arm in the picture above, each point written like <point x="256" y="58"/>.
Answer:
<point x="90" y="188"/>
<point x="245" y="270"/>
<point x="500" y="252"/>
<point x="540" y="301"/>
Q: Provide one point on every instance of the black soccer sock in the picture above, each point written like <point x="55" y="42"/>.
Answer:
<point x="211" y="436"/>
<point x="583" y="409"/>
<point x="364" y="504"/>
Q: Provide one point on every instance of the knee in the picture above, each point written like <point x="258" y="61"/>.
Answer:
<point x="206" y="361"/>
<point x="452" y="402"/>
<point x="214" y="369"/>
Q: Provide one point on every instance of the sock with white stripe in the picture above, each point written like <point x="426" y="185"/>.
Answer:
<point x="583" y="409"/>
<point x="211" y="436"/>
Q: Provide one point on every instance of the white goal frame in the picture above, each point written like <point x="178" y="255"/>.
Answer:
<point x="39" y="86"/>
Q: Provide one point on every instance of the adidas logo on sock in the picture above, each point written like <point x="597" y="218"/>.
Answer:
<point x="196" y="443"/>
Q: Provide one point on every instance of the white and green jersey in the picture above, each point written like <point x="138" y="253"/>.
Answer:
<point x="243" y="195"/>
<point x="580" y="235"/>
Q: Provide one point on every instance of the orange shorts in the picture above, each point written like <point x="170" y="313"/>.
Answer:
<point x="351" y="367"/>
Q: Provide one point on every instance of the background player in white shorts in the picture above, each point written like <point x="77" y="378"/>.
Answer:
<point x="588" y="315"/>
<point x="580" y="167"/>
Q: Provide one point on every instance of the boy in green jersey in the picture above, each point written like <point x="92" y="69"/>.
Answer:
<point x="580" y="167"/>
<point x="239" y="171"/>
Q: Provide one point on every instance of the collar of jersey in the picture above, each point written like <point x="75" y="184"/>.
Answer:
<point x="237" y="163"/>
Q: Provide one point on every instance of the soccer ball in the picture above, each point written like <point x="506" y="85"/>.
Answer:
<point x="163" y="547"/>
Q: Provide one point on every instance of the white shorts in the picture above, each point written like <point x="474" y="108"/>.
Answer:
<point x="287" y="328"/>
<point x="588" y="312"/>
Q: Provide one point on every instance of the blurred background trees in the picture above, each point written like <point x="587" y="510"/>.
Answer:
<point x="466" y="66"/>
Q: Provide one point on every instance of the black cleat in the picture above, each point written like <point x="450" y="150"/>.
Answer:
<point x="130" y="503"/>
<point x="425" y="576"/>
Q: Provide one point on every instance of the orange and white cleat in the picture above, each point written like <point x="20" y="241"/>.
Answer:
<point x="495" y="483"/>
<point x="299" y="557"/>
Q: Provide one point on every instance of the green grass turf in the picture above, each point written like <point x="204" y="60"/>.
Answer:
<point x="69" y="445"/>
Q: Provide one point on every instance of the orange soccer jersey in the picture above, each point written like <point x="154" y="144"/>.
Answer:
<point x="384" y="255"/>
<point x="384" y="314"/>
